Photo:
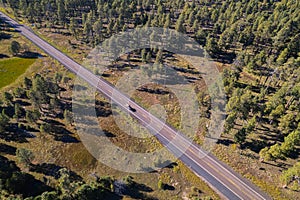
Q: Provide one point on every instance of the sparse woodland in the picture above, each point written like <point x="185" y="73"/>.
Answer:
<point x="258" y="39"/>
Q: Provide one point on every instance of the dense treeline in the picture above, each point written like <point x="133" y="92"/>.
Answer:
<point x="270" y="27"/>
<point x="262" y="36"/>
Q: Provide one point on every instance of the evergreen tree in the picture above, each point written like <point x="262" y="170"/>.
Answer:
<point x="25" y="156"/>
<point x="15" y="48"/>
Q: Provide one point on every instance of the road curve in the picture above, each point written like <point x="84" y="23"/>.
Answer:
<point x="227" y="183"/>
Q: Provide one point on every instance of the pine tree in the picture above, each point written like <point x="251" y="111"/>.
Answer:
<point x="25" y="156"/>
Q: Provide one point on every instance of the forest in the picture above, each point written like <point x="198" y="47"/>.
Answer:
<point x="258" y="39"/>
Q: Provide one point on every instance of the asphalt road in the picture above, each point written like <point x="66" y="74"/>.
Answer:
<point x="227" y="183"/>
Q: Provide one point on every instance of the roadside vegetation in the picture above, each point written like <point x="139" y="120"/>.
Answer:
<point x="17" y="55"/>
<point x="255" y="43"/>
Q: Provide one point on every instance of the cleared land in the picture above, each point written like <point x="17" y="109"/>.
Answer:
<point x="12" y="68"/>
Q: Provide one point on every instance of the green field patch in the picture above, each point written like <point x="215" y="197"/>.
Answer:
<point x="12" y="68"/>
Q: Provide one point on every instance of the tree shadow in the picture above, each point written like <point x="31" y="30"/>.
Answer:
<point x="59" y="132"/>
<point x="281" y="165"/>
<point x="142" y="187"/>
<point x="7" y="167"/>
<point x="80" y="87"/>
<point x="17" y="182"/>
<point x="105" y="133"/>
<point x="22" y="103"/>
<point x="270" y="137"/>
<point x="153" y="91"/>
<point x="262" y="70"/>
<point x="3" y="55"/>
<point x="125" y="66"/>
<point x="46" y="169"/>
<point x="100" y="133"/>
<point x="172" y="165"/>
<point x="169" y="187"/>
<point x="148" y="169"/>
<point x="186" y="70"/>
<point x="65" y="103"/>
<point x="254" y="145"/>
<point x="225" y="142"/>
<point x="31" y="186"/>
<point x="31" y="129"/>
<point x="15" y="134"/>
<point x="106" y="194"/>
<point x="4" y="148"/>
<point x="106" y="75"/>
<point x="54" y="123"/>
<point x="166" y="164"/>
<point x="66" y="33"/>
<point x="263" y="128"/>
<point x="191" y="79"/>
<point x="9" y="111"/>
<point x="170" y="77"/>
<point x="103" y="109"/>
<point x="294" y="154"/>
<point x="241" y="85"/>
<point x="49" y="169"/>
<point x="224" y="57"/>
<point x="29" y="54"/>
<point x="250" y="155"/>
<point x="66" y="139"/>
<point x="134" y="190"/>
<point x="5" y="36"/>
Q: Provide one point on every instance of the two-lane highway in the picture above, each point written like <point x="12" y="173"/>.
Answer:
<point x="227" y="183"/>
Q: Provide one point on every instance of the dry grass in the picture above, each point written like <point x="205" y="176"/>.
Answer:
<point x="11" y="69"/>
